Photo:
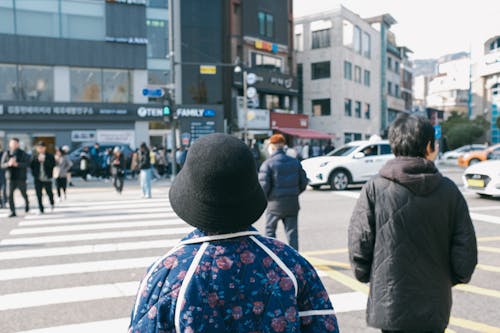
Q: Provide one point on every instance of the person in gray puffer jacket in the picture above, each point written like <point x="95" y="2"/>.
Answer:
<point x="411" y="236"/>
<point x="283" y="180"/>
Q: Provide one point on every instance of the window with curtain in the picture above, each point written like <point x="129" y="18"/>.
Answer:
<point x="86" y="85"/>
<point x="321" y="107"/>
<point x="116" y="86"/>
<point x="367" y="111"/>
<point x="8" y="82"/>
<point x="320" y="39"/>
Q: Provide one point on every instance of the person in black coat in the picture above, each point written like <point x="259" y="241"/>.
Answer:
<point x="42" y="166"/>
<point x="118" y="169"/>
<point x="15" y="162"/>
<point x="411" y="235"/>
<point x="3" y="191"/>
<point x="283" y="180"/>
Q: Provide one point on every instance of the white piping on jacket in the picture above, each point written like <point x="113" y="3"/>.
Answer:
<point x="218" y="237"/>
<point x="316" y="313"/>
<point x="280" y="263"/>
<point x="185" y="284"/>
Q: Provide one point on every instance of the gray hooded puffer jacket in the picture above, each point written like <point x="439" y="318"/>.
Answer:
<point x="412" y="238"/>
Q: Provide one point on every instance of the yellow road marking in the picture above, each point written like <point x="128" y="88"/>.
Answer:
<point x="489" y="249"/>
<point x="358" y="286"/>
<point x="318" y="261"/>
<point x="488" y="239"/>
<point x="478" y="290"/>
<point x="320" y="252"/>
<point x="449" y="331"/>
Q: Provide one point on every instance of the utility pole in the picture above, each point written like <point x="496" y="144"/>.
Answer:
<point x="173" y="107"/>
<point x="245" y="106"/>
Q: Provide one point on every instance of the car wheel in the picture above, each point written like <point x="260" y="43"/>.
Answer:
<point x="315" y="187"/>
<point x="474" y="161"/>
<point x="339" y="180"/>
<point x="484" y="196"/>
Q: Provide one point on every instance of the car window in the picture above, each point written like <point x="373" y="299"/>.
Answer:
<point x="343" y="151"/>
<point x="371" y="150"/>
<point x="385" y="149"/>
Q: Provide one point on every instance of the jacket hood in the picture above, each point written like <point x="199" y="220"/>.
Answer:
<point x="418" y="175"/>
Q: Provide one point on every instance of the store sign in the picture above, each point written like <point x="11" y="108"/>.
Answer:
<point x="144" y="112"/>
<point x="266" y="46"/>
<point x="83" y="136"/>
<point x="255" y="118"/>
<point x="128" y="40"/>
<point x="116" y="136"/>
<point x="269" y="81"/>
<point x="195" y="113"/>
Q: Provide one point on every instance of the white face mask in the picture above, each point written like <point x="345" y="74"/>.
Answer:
<point x="270" y="150"/>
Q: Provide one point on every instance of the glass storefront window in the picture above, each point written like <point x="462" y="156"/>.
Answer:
<point x="158" y="77"/>
<point x="37" y="18"/>
<point x="8" y="82"/>
<point x="116" y="86"/>
<point x="36" y="83"/>
<point x="157" y="38"/>
<point x="157" y="3"/>
<point x="82" y="19"/>
<point x="86" y="85"/>
<point x="6" y="16"/>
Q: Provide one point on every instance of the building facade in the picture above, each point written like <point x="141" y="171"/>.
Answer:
<point x="72" y="71"/>
<point x="255" y="36"/>
<point x="338" y="59"/>
<point x="487" y="97"/>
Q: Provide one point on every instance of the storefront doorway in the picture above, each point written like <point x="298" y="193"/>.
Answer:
<point x="50" y="141"/>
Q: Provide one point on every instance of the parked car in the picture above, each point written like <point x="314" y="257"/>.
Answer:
<point x="452" y="156"/>
<point x="354" y="163"/>
<point x="474" y="157"/>
<point x="483" y="178"/>
<point x="74" y="156"/>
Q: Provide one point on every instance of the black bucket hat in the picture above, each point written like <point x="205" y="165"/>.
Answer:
<point x="217" y="190"/>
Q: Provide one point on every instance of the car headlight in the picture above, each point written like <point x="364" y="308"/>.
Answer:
<point x="324" y="164"/>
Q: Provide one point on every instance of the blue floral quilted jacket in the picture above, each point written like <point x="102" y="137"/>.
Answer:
<point x="240" y="282"/>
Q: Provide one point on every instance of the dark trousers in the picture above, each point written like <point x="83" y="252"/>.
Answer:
<point x="3" y="191"/>
<point x="385" y="331"/>
<point x="21" y="185"/>
<point x="290" y="223"/>
<point x="61" y="184"/>
<point x="39" y="187"/>
<point x="118" y="183"/>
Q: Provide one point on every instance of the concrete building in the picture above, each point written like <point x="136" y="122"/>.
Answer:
<point x="338" y="56"/>
<point x="72" y="71"/>
<point x="353" y="74"/>
<point x="487" y="98"/>
<point x="449" y="89"/>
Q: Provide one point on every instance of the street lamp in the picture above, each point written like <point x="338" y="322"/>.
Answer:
<point x="239" y="69"/>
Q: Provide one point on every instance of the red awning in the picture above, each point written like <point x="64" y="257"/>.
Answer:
<point x="304" y="133"/>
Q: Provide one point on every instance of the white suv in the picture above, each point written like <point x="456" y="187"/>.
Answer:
<point x="353" y="163"/>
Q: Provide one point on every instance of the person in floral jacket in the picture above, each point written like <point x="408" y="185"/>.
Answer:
<point x="225" y="276"/>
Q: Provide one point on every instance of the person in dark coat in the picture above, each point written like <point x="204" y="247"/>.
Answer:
<point x="3" y="191"/>
<point x="145" y="173"/>
<point x="42" y="167"/>
<point x="411" y="236"/>
<point x="15" y="162"/>
<point x="283" y="180"/>
<point x="118" y="169"/>
<point x="224" y="276"/>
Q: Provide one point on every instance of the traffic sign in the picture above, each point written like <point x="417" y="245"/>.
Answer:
<point x="208" y="69"/>
<point x="153" y="92"/>
<point x="251" y="92"/>
<point x="251" y="79"/>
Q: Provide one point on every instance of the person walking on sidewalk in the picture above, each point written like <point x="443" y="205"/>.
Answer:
<point x="61" y="171"/>
<point x="42" y="167"/>
<point x="224" y="276"/>
<point x="283" y="180"/>
<point x="411" y="236"/>
<point x="15" y="162"/>
<point x="145" y="173"/>
<point x="3" y="191"/>
<point x="118" y="169"/>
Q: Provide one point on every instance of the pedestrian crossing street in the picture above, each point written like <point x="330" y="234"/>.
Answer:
<point x="77" y="269"/>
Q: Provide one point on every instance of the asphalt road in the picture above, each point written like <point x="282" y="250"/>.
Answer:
<point x="76" y="269"/>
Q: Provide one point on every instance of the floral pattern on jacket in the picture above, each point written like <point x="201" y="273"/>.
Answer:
<point x="237" y="286"/>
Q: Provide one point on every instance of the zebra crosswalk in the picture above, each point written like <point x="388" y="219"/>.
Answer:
<point x="77" y="269"/>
